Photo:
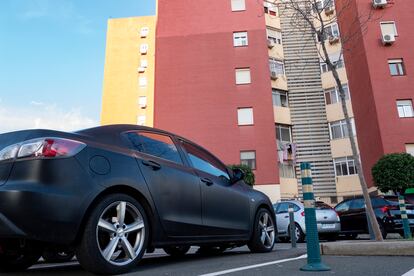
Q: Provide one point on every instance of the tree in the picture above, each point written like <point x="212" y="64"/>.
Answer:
<point x="249" y="177"/>
<point x="309" y="16"/>
<point x="394" y="172"/>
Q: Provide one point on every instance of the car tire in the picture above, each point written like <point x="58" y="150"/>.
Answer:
<point x="300" y="236"/>
<point x="16" y="262"/>
<point x="264" y="232"/>
<point x="54" y="255"/>
<point x="115" y="236"/>
<point x="177" y="251"/>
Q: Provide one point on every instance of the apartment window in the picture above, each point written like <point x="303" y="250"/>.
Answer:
<point x="286" y="170"/>
<point x="238" y="5"/>
<point x="405" y="108"/>
<point x="144" y="31"/>
<point x="142" y="81"/>
<point x="248" y="158"/>
<point x="245" y="116"/>
<point x="409" y="148"/>
<point x="270" y="8"/>
<point x="339" y="129"/>
<point x="344" y="166"/>
<point x="388" y="28"/>
<point x="240" y="39"/>
<point x="144" y="63"/>
<point x="332" y="95"/>
<point x="141" y="120"/>
<point x="280" y="98"/>
<point x="338" y="63"/>
<point x="276" y="66"/>
<point x="274" y="35"/>
<point x="143" y="49"/>
<point x="142" y="101"/>
<point x="243" y="76"/>
<point x="323" y="4"/>
<point x="283" y="133"/>
<point x="396" y="67"/>
<point x="330" y="31"/>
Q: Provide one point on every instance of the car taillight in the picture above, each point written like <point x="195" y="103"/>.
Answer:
<point x="302" y="213"/>
<point x="385" y="209"/>
<point x="42" y="148"/>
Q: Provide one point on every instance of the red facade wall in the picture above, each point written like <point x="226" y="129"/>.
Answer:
<point x="195" y="91"/>
<point x="374" y="91"/>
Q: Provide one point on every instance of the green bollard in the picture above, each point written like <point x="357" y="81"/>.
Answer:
<point x="404" y="218"/>
<point x="312" y="239"/>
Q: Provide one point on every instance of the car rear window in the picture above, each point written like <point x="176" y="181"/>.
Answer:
<point x="322" y="206"/>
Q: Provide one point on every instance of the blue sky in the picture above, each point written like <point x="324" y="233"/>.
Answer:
<point x="52" y="59"/>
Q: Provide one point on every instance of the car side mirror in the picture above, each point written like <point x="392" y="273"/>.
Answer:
<point x="238" y="175"/>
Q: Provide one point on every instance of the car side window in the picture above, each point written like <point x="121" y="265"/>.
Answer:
<point x="283" y="208"/>
<point x="357" y="204"/>
<point x="203" y="161"/>
<point x="295" y="208"/>
<point x="378" y="202"/>
<point x="343" y="207"/>
<point x="158" y="145"/>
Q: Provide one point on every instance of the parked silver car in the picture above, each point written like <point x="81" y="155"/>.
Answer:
<point x="327" y="220"/>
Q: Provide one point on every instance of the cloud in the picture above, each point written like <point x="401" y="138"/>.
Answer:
<point x="45" y="116"/>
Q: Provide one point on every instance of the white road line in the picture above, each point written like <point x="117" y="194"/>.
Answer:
<point x="409" y="273"/>
<point x="254" y="266"/>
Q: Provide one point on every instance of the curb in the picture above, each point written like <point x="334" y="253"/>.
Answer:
<point x="368" y="248"/>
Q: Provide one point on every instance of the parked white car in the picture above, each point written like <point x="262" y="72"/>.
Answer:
<point x="327" y="220"/>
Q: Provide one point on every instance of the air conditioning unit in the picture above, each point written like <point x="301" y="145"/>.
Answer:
<point x="329" y="10"/>
<point x="388" y="39"/>
<point x="274" y="75"/>
<point x="141" y="69"/>
<point x="270" y="43"/>
<point x="379" y="3"/>
<point x="333" y="39"/>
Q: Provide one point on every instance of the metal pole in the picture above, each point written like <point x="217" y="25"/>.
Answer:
<point x="404" y="218"/>
<point x="292" y="226"/>
<point x="312" y="239"/>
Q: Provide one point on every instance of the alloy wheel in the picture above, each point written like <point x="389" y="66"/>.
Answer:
<point x="120" y="233"/>
<point x="267" y="236"/>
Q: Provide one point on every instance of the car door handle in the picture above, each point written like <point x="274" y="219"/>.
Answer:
<point x="154" y="165"/>
<point x="207" y="181"/>
<point x="286" y="216"/>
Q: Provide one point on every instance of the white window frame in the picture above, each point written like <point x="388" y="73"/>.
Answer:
<point x="143" y="48"/>
<point x="238" y="5"/>
<point x="142" y="101"/>
<point x="394" y="27"/>
<point x="144" y="32"/>
<point x="275" y="65"/>
<point x="405" y="108"/>
<point x="276" y="93"/>
<point x="240" y="39"/>
<point x="334" y="94"/>
<point x="250" y="162"/>
<point x="141" y="120"/>
<point x="342" y="126"/>
<point x="144" y="63"/>
<point x="348" y="161"/>
<point x="287" y="170"/>
<point x="245" y="116"/>
<point x="339" y="63"/>
<point x="274" y="35"/>
<point x="278" y="128"/>
<point x="243" y="76"/>
<point x="399" y="62"/>
<point x="142" y="81"/>
<point x="271" y="8"/>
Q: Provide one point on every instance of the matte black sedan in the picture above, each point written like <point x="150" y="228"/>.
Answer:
<point x="354" y="220"/>
<point x="113" y="193"/>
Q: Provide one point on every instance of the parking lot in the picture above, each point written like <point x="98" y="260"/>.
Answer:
<point x="239" y="261"/>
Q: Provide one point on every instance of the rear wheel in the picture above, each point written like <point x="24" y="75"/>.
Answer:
<point x="263" y="238"/>
<point x="177" y="251"/>
<point x="115" y="236"/>
<point x="299" y="235"/>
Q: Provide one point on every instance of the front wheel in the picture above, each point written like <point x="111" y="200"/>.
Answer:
<point x="115" y="236"/>
<point x="263" y="238"/>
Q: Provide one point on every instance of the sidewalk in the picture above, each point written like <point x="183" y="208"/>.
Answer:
<point x="369" y="248"/>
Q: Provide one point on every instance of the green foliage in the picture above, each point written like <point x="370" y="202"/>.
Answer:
<point x="394" y="172"/>
<point x="249" y="177"/>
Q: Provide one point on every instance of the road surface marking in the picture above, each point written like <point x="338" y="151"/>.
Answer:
<point x="254" y="266"/>
<point x="409" y="273"/>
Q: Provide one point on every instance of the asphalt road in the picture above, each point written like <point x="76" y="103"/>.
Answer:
<point x="240" y="262"/>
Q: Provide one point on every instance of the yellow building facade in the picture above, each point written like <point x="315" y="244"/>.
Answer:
<point x="128" y="87"/>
